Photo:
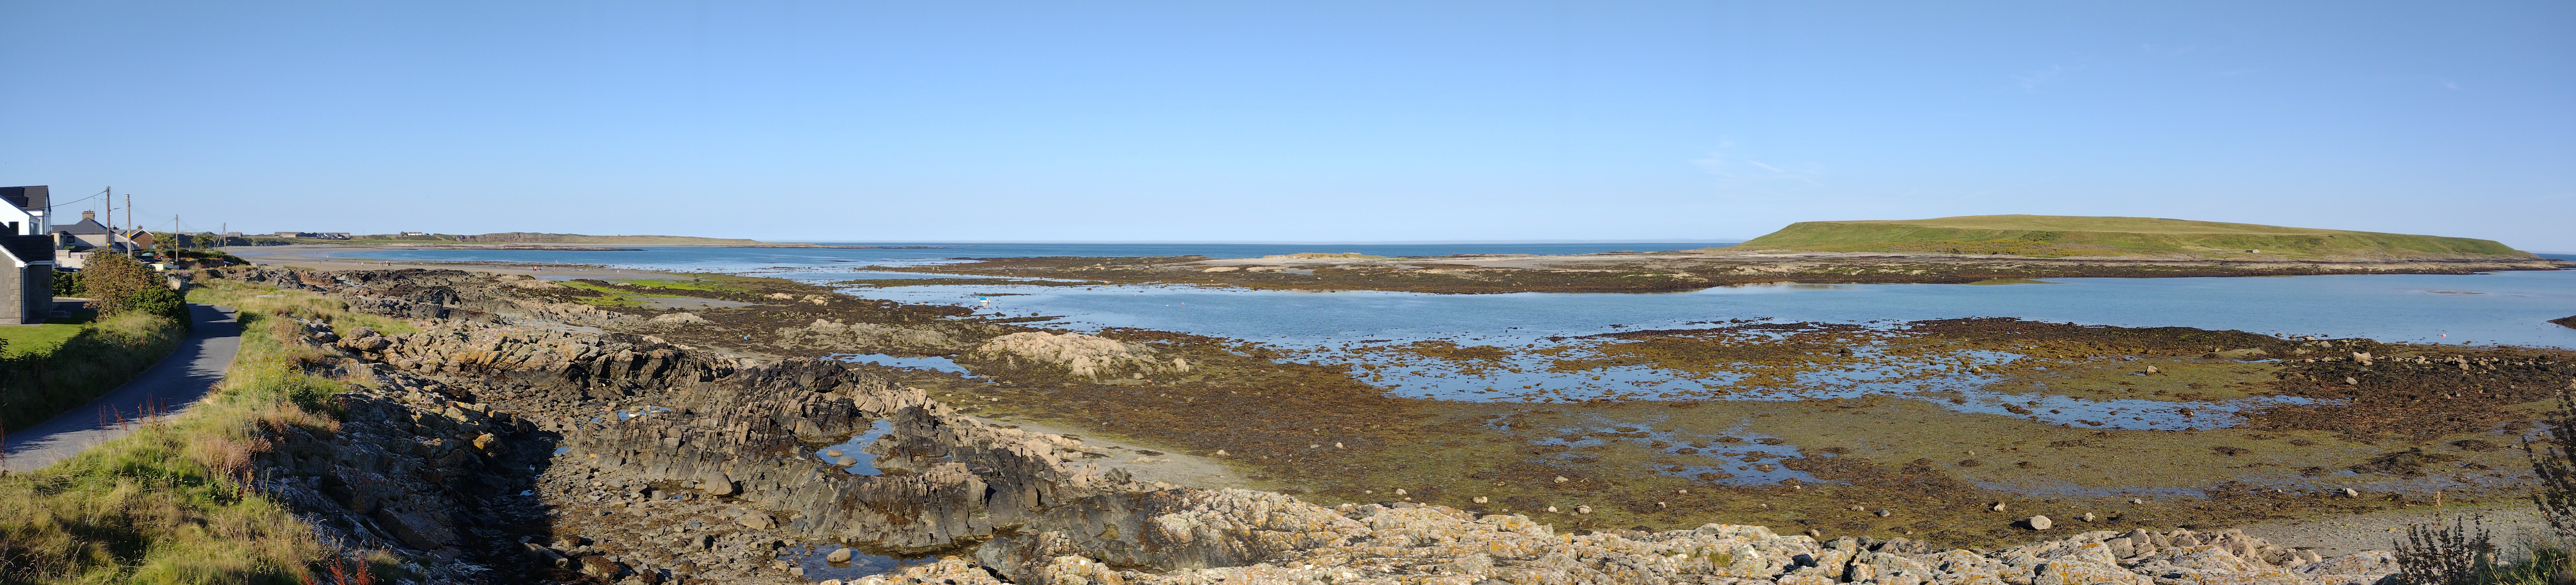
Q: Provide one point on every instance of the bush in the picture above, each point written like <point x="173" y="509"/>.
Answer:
<point x="113" y="280"/>
<point x="2457" y="554"/>
<point x="2553" y="462"/>
<point x="67" y="283"/>
<point x="159" y="301"/>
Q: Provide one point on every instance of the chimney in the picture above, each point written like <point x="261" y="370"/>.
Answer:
<point x="89" y="216"/>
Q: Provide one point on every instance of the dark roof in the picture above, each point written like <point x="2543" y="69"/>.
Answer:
<point x="35" y="198"/>
<point x="86" y="226"/>
<point x="29" y="248"/>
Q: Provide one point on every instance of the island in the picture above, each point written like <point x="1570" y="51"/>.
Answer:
<point x="1949" y="250"/>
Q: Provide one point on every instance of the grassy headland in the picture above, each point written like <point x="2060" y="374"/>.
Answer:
<point x="2057" y="235"/>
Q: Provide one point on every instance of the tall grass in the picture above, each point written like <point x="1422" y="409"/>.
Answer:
<point x="2462" y="553"/>
<point x="38" y="385"/>
<point x="175" y="502"/>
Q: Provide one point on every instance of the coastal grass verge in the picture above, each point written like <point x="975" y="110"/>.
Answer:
<point x="175" y="502"/>
<point x="49" y="369"/>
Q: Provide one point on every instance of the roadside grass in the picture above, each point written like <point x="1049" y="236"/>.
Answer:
<point x="37" y="340"/>
<point x="50" y="369"/>
<point x="173" y="503"/>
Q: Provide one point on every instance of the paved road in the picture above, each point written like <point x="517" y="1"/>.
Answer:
<point x="167" y="387"/>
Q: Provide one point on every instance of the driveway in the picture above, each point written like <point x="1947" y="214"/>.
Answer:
<point x="165" y="388"/>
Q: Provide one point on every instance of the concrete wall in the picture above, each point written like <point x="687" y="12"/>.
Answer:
<point x="38" y="280"/>
<point x="29" y="294"/>
<point x="13" y="310"/>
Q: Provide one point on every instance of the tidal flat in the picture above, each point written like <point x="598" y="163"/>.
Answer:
<point x="1917" y="428"/>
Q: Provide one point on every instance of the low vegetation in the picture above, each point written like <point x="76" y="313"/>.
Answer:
<point x="2052" y="236"/>
<point x="49" y="369"/>
<point x="52" y="368"/>
<point x="172" y="502"/>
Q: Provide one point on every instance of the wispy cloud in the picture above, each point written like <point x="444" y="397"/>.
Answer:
<point x="2032" y="80"/>
<point x="1741" y="172"/>
<point x="1715" y="161"/>
<point x="2168" y="49"/>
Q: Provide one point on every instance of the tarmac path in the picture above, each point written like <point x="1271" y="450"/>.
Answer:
<point x="166" y="388"/>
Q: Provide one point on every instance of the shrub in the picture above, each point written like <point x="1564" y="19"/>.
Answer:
<point x="113" y="280"/>
<point x="159" y="301"/>
<point x="2553" y="462"/>
<point x="2457" y="554"/>
<point x="67" y="283"/>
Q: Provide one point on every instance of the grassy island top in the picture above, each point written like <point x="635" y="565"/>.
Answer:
<point x="2059" y="235"/>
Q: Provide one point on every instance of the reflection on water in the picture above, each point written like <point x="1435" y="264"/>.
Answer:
<point x="818" y="567"/>
<point x="1735" y="456"/>
<point x="939" y="363"/>
<point x="2121" y="413"/>
<point x="852" y="455"/>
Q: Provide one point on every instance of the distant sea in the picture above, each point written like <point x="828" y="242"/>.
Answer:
<point x="2504" y="307"/>
<point x="736" y="260"/>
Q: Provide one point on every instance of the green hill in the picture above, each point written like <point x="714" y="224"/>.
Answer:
<point x="2057" y="235"/>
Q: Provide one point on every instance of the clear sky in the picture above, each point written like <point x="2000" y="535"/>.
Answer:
<point x="1293" y="121"/>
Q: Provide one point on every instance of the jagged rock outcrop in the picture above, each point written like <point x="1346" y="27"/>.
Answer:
<point x="1078" y="354"/>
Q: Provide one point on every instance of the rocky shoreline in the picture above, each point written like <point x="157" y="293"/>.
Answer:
<point x="508" y="440"/>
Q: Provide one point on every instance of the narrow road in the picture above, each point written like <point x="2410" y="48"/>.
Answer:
<point x="165" y="388"/>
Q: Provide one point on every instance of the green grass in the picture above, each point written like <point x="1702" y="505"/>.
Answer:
<point x="694" y="284"/>
<point x="168" y="504"/>
<point x="53" y="368"/>
<point x="611" y="297"/>
<point x="2050" y="235"/>
<point x="28" y="340"/>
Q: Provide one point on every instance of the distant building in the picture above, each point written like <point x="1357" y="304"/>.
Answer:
<point x="415" y="233"/>
<point x="315" y="235"/>
<point x="28" y="284"/>
<point x="76" y="241"/>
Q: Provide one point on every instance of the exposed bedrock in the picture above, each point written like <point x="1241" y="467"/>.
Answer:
<point x="499" y="420"/>
<point x="669" y="414"/>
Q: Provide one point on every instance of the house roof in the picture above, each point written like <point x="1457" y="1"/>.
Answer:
<point x="87" y="226"/>
<point x="29" y="248"/>
<point x="31" y="198"/>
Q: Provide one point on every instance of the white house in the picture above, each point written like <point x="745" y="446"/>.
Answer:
<point x="28" y="284"/>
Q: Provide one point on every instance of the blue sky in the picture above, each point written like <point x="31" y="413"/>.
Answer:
<point x="1293" y="121"/>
